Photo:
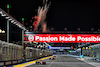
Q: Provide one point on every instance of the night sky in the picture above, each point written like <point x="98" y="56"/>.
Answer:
<point x="69" y="14"/>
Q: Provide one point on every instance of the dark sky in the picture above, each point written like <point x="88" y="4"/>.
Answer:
<point x="62" y="13"/>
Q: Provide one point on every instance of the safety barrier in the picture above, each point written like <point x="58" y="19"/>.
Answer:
<point x="12" y="53"/>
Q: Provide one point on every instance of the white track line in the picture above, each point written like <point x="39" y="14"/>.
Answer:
<point x="51" y="63"/>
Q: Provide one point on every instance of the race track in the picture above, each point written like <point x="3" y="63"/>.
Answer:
<point x="63" y="61"/>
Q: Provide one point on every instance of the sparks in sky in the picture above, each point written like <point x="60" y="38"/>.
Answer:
<point x="41" y="16"/>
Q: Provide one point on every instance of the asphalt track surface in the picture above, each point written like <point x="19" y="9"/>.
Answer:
<point x="63" y="61"/>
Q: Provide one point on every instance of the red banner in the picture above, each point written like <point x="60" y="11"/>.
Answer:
<point x="62" y="38"/>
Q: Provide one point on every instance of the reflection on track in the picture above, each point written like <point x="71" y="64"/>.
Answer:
<point x="63" y="61"/>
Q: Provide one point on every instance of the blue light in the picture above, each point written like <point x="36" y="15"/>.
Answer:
<point x="48" y="47"/>
<point x="81" y="56"/>
<point x="75" y="51"/>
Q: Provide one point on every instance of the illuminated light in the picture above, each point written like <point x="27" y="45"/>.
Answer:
<point x="59" y="47"/>
<point x="91" y="38"/>
<point x="3" y="31"/>
<point x="7" y="17"/>
<point x="3" y="15"/>
<point x="36" y="42"/>
<point x="41" y="46"/>
<point x="31" y="26"/>
<point x="15" y="22"/>
<point x="71" y="47"/>
<point x="70" y="50"/>
<point x="75" y="51"/>
<point x="38" y="46"/>
<point x="48" y="47"/>
<point x="46" y="38"/>
<point x="65" y="38"/>
<point x="83" y="48"/>
<point x="31" y="38"/>
<point x="89" y="47"/>
<point x="1" y="12"/>
<point x="7" y="5"/>
<point x="19" y="26"/>
<point x="12" y="21"/>
<point x="0" y="31"/>
<point x="81" y="56"/>
<point x="86" y="47"/>
<point x="22" y="19"/>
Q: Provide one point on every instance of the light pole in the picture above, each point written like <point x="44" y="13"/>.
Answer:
<point x="22" y="32"/>
<point x="8" y="24"/>
<point x="24" y="45"/>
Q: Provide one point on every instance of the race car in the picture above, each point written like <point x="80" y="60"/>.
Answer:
<point x="52" y="58"/>
<point x="40" y="62"/>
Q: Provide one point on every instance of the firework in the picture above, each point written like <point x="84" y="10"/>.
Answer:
<point x="44" y="29"/>
<point x="41" y="17"/>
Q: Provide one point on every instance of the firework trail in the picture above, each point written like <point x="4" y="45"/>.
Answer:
<point x="41" y="17"/>
<point x="43" y="22"/>
<point x="36" y="23"/>
<point x="44" y="29"/>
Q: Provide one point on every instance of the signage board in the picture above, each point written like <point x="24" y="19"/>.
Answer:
<point x="59" y="47"/>
<point x="63" y="38"/>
